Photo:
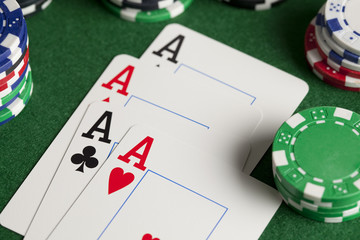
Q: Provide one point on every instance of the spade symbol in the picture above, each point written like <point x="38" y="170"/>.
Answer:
<point x="85" y="158"/>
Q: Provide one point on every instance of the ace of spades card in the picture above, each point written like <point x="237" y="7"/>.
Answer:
<point x="182" y="51"/>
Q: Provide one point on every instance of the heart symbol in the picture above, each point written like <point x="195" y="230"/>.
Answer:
<point x="149" y="237"/>
<point x="118" y="180"/>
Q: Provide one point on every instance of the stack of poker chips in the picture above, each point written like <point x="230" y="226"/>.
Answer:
<point x="316" y="163"/>
<point x="30" y="7"/>
<point x="332" y="44"/>
<point x="257" y="5"/>
<point x="147" y="10"/>
<point x="15" y="74"/>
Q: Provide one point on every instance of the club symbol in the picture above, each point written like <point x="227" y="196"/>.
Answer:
<point x="85" y="158"/>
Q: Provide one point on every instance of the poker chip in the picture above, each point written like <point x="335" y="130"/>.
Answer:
<point x="339" y="68"/>
<point x="7" y="63"/>
<point x="144" y="5"/>
<point x="30" y="7"/>
<point x="18" y="104"/>
<point x="308" y="163"/>
<point x="335" y="59"/>
<point x="16" y="64"/>
<point x="336" y="78"/>
<point x="342" y="21"/>
<point x="138" y="15"/>
<point x="334" y="84"/>
<point x="15" y="74"/>
<point x="323" y="218"/>
<point x="319" y="64"/>
<point x="12" y="28"/>
<point x="4" y="101"/>
<point x="8" y="83"/>
<point x="25" y="3"/>
<point x="257" y="5"/>
<point x="322" y="214"/>
<point x="352" y="57"/>
<point x="327" y="50"/>
<point x="311" y="207"/>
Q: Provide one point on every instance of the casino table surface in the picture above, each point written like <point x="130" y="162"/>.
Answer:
<point x="73" y="41"/>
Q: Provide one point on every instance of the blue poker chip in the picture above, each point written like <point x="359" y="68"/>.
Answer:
<point x="10" y="60"/>
<point x="17" y="63"/>
<point x="12" y="29"/>
<point x="10" y="82"/>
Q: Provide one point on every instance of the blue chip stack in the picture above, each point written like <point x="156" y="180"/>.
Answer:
<point x="15" y="73"/>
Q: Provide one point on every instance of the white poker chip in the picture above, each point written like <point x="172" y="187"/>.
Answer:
<point x="331" y="54"/>
<point x="343" y="23"/>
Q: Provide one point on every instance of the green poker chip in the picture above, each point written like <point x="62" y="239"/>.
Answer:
<point x="316" y="156"/>
<point x="136" y="15"/>
<point x="15" y="92"/>
<point x="19" y="104"/>
<point x="323" y="218"/>
<point x="311" y="208"/>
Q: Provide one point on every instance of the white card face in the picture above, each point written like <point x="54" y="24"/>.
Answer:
<point x="180" y="193"/>
<point x="102" y="127"/>
<point x="189" y="213"/>
<point x="177" y="50"/>
<point x="128" y="82"/>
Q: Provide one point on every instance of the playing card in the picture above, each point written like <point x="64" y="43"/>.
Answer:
<point x="156" y="187"/>
<point x="103" y="125"/>
<point x="127" y="81"/>
<point x="179" y="50"/>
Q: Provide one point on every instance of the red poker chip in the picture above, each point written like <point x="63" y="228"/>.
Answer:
<point x="341" y="86"/>
<point x="336" y="76"/>
<point x="342" y="70"/>
<point x="319" y="64"/>
<point x="332" y="83"/>
<point x="6" y="82"/>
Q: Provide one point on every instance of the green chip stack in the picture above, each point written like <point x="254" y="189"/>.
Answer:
<point x="147" y="10"/>
<point x="316" y="163"/>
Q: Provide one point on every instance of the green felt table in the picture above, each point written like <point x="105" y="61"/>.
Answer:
<point x="73" y="41"/>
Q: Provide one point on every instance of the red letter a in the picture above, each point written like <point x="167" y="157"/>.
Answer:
<point x="142" y="157"/>
<point x="129" y="70"/>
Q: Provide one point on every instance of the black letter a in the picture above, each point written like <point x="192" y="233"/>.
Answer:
<point x="175" y="52"/>
<point x="107" y="115"/>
